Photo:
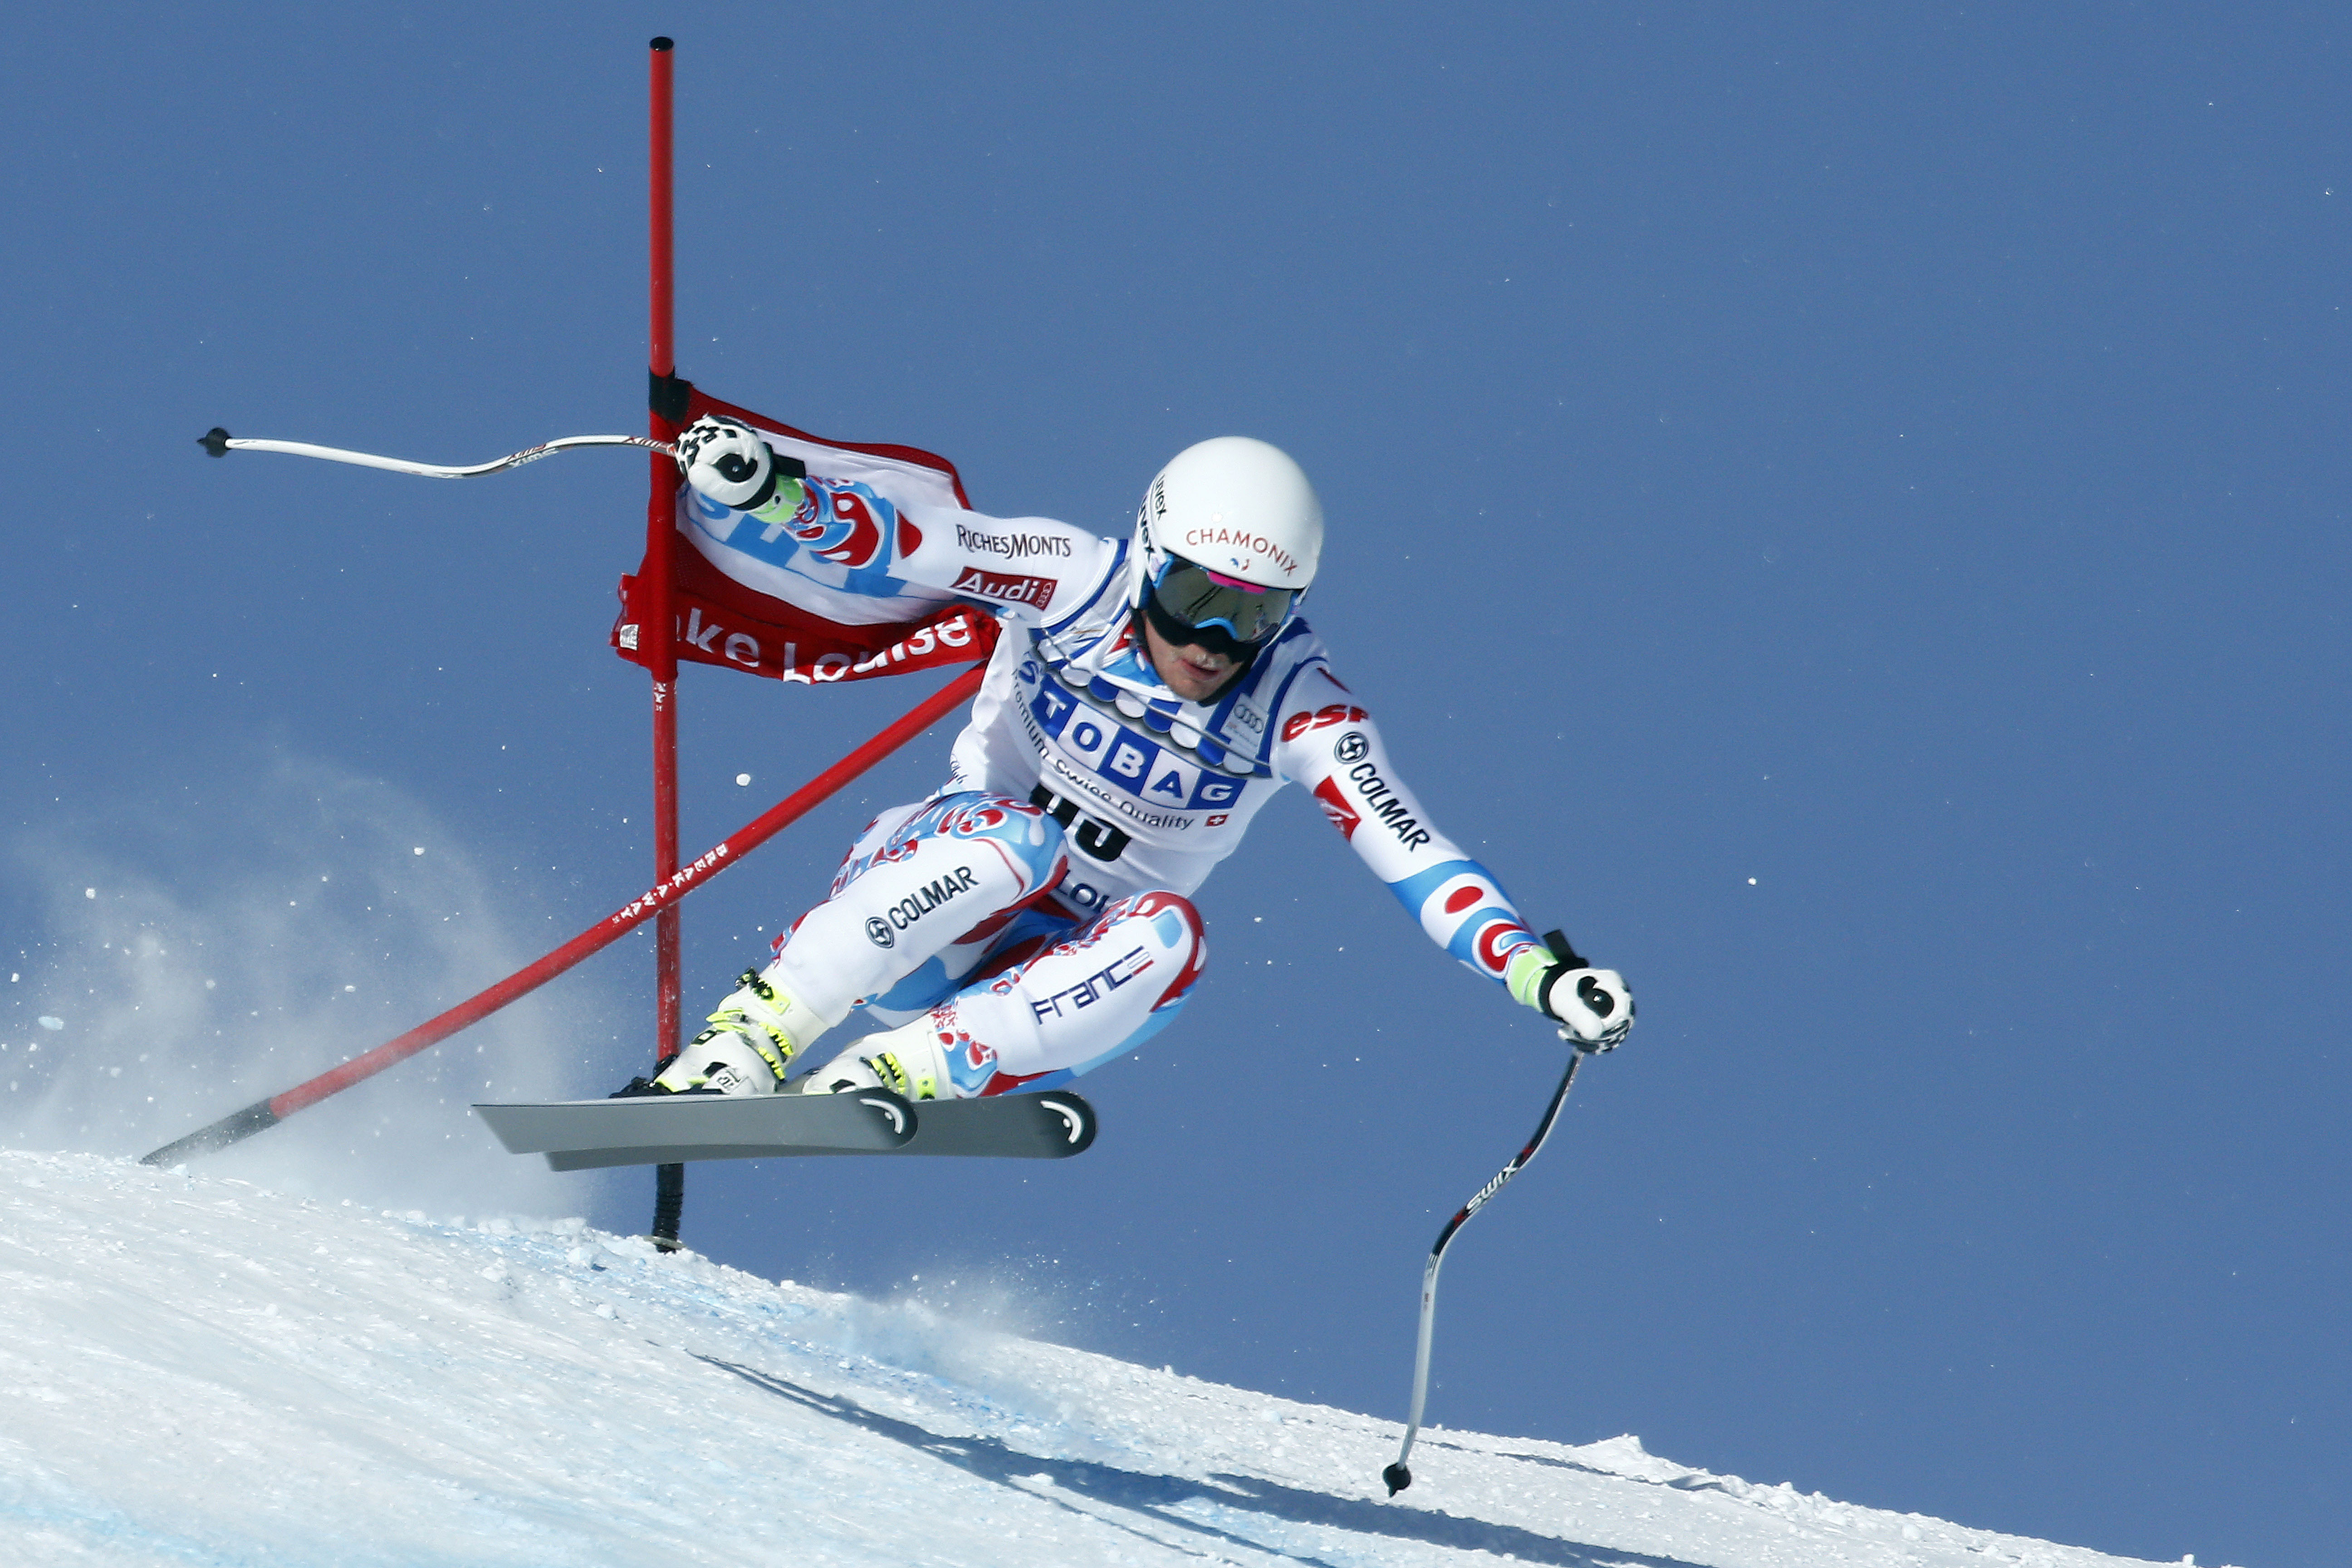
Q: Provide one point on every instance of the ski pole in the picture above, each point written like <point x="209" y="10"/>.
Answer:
<point x="220" y="444"/>
<point x="263" y="1114"/>
<point x="1397" y="1476"/>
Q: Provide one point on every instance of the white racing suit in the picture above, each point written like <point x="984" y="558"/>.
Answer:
<point x="1036" y="906"/>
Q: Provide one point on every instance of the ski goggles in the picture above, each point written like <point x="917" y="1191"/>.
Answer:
<point x="1192" y="595"/>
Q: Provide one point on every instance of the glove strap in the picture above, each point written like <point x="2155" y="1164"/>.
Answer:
<point x="1530" y="978"/>
<point x="780" y="468"/>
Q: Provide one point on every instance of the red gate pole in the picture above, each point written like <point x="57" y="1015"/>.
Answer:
<point x="663" y="895"/>
<point x="661" y="619"/>
<point x="660" y="622"/>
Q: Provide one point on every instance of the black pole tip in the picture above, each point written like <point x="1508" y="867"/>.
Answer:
<point x="664" y="45"/>
<point x="1398" y="1478"/>
<point x="669" y="1199"/>
<point x="214" y="441"/>
<point x="231" y="1129"/>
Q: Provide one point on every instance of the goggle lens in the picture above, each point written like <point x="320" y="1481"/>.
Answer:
<point x="1199" y="597"/>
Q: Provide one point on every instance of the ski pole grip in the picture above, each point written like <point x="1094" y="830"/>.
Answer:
<point x="1557" y="942"/>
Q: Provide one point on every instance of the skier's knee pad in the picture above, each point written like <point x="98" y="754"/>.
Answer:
<point x="974" y="854"/>
<point x="1176" y="927"/>
<point x="1010" y="837"/>
<point x="1097" y="994"/>
<point x="1030" y="842"/>
<point x="921" y="885"/>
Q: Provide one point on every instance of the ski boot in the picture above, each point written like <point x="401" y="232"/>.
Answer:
<point x="744" y="1050"/>
<point x="908" y="1061"/>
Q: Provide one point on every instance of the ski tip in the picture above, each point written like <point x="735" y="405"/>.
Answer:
<point x="1076" y="1117"/>
<point x="1398" y="1478"/>
<point x="214" y="441"/>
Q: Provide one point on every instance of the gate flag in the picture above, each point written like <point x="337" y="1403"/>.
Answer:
<point x="809" y="600"/>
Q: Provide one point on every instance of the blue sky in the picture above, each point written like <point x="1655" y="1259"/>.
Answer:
<point x="1895" y="456"/>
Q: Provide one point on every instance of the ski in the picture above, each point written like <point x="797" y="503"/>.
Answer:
<point x="583" y="1135"/>
<point x="589" y="1135"/>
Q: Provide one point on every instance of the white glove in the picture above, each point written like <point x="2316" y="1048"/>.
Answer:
<point x="727" y="462"/>
<point x="1593" y="1005"/>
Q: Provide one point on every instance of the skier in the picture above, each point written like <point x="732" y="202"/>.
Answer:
<point x="1029" y="922"/>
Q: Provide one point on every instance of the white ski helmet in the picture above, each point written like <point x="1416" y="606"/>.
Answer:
<point x="1242" y="511"/>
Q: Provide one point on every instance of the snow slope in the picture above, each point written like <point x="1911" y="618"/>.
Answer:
<point x="193" y="1371"/>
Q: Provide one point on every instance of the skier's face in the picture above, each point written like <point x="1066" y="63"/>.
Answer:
<point x="1189" y="670"/>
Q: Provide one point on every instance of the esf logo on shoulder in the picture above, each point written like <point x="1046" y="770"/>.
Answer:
<point x="883" y="930"/>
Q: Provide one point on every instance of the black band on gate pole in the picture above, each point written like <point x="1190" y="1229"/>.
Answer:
<point x="666" y="396"/>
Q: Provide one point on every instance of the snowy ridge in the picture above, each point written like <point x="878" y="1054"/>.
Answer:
<point x="193" y="1371"/>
